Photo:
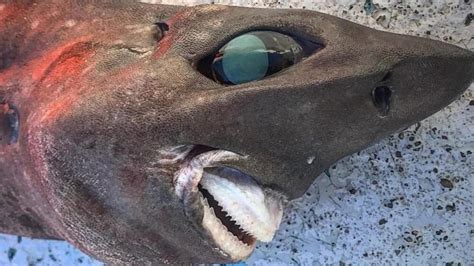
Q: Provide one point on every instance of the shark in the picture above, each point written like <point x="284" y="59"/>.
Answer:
<point x="157" y="134"/>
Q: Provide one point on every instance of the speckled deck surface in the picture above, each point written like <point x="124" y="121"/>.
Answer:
<point x="407" y="200"/>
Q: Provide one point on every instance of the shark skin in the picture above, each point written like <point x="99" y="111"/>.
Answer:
<point x="100" y="90"/>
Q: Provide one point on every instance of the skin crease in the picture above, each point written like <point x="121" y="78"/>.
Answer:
<point x="101" y="91"/>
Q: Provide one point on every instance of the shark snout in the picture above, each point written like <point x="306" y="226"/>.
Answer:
<point x="427" y="77"/>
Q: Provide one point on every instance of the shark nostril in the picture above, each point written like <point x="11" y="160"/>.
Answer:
<point x="381" y="99"/>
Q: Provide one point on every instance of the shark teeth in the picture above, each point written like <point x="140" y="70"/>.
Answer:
<point x="246" y="203"/>
<point x="236" y="210"/>
<point x="228" y="243"/>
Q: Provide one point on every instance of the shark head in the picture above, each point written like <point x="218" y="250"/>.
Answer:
<point x="176" y="150"/>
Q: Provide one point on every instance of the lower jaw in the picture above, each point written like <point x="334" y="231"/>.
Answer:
<point x="216" y="212"/>
<point x="248" y="212"/>
<point x="226" y="241"/>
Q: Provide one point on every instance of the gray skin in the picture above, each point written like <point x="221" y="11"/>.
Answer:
<point x="101" y="91"/>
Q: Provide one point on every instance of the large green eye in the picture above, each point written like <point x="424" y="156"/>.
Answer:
<point x="252" y="56"/>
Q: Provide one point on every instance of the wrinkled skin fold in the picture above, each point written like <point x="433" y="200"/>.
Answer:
<point x="102" y="91"/>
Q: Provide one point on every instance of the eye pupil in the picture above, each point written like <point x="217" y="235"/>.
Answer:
<point x="253" y="56"/>
<point x="243" y="59"/>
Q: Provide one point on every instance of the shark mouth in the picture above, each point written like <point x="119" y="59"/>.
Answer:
<point x="237" y="211"/>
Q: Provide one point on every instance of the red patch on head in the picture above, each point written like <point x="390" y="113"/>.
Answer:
<point x="11" y="11"/>
<point x="165" y="43"/>
<point x="164" y="46"/>
<point x="70" y="63"/>
<point x="56" y="108"/>
<point x="57" y="57"/>
<point x="7" y="75"/>
<point x="59" y="73"/>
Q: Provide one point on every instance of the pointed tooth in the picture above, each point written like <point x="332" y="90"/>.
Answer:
<point x="204" y="201"/>
<point x="228" y="242"/>
<point x="248" y="233"/>
<point x="212" y="211"/>
<point x="245" y="205"/>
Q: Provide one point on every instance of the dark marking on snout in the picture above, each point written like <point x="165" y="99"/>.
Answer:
<point x="382" y="94"/>
<point x="381" y="98"/>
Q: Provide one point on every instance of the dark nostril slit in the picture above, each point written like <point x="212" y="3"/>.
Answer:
<point x="381" y="99"/>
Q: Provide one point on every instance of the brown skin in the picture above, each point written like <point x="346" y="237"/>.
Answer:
<point x="100" y="91"/>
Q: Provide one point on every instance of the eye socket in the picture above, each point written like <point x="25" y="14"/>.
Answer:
<point x="254" y="56"/>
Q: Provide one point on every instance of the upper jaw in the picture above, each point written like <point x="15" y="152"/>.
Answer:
<point x="235" y="211"/>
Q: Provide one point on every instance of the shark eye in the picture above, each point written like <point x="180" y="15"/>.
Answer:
<point x="252" y="56"/>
